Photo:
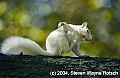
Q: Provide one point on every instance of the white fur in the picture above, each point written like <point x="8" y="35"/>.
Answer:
<point x="57" y="42"/>
<point x="15" y="45"/>
<point x="64" y="39"/>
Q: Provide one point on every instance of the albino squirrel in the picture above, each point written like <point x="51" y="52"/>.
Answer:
<point x="64" y="39"/>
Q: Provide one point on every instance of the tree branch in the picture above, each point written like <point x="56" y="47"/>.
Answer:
<point x="17" y="66"/>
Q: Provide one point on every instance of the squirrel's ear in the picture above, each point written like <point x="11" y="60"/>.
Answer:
<point x="84" y="24"/>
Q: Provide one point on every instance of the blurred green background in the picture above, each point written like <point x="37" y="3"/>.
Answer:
<point x="35" y="19"/>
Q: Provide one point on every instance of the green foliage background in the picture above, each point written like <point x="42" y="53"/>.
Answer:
<point x="35" y="19"/>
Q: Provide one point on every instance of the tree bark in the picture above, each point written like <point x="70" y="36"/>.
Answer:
<point x="23" y="66"/>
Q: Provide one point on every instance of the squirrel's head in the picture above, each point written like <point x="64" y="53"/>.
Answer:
<point x="85" y="32"/>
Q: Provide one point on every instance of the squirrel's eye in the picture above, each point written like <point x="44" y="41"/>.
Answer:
<point x="88" y="31"/>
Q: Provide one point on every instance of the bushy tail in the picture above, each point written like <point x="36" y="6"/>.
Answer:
<point x="16" y="45"/>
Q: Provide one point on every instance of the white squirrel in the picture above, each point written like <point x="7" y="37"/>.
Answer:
<point x="75" y="35"/>
<point x="64" y="39"/>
